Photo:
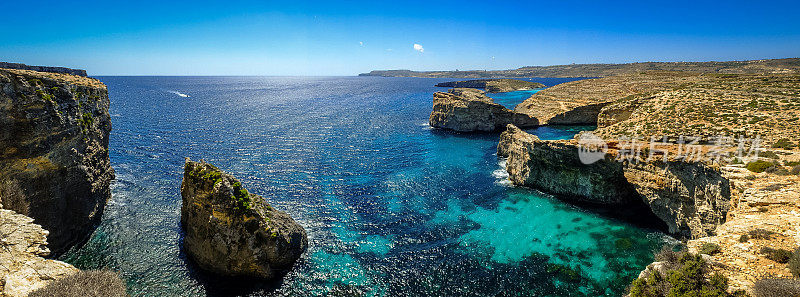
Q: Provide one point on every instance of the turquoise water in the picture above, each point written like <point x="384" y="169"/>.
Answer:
<point x="391" y="206"/>
<point x="511" y="99"/>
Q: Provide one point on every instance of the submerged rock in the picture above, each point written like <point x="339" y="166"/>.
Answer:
<point x="467" y="110"/>
<point x="692" y="198"/>
<point x="232" y="232"/>
<point x="54" y="162"/>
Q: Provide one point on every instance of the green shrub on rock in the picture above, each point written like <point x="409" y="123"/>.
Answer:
<point x="709" y="248"/>
<point x="777" y="255"/>
<point x="783" y="143"/>
<point x="776" y="288"/>
<point x="794" y="263"/>
<point x="688" y="275"/>
<point x="759" y="166"/>
<point x="86" y="283"/>
<point x="240" y="197"/>
<point x="760" y="234"/>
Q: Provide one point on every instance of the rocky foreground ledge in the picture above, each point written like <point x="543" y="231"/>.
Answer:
<point x="467" y="110"/>
<point x="23" y="246"/>
<point x="494" y="85"/>
<point x="232" y="232"/>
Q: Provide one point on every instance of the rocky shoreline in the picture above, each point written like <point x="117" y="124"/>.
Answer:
<point x="711" y="202"/>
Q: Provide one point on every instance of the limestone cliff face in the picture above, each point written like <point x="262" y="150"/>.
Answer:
<point x="554" y="167"/>
<point x="23" y="245"/>
<point x="469" y="110"/>
<point x="54" y="164"/>
<point x="692" y="198"/>
<point x="232" y="232"/>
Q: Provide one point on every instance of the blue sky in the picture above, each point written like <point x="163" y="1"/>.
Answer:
<point x="346" y="38"/>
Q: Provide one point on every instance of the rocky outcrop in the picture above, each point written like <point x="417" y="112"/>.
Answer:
<point x="493" y="85"/>
<point x="232" y="232"/>
<point x="23" y="245"/>
<point x="555" y="167"/>
<point x="471" y="110"/>
<point x="54" y="163"/>
<point x="692" y="198"/>
<point x="64" y="70"/>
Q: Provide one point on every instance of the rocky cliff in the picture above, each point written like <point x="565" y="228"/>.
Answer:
<point x="692" y="198"/>
<point x="54" y="163"/>
<point x="23" y="245"/>
<point x="471" y="110"/>
<point x="493" y="85"/>
<point x="232" y="232"/>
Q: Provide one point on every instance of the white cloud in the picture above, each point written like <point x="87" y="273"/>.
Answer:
<point x="419" y="48"/>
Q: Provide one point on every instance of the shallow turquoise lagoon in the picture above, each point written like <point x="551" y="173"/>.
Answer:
<point x="511" y="99"/>
<point x="392" y="207"/>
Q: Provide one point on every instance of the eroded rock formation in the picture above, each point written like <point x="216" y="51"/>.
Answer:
<point x="232" y="232"/>
<point x="54" y="163"/>
<point x="467" y="110"/>
<point x="692" y="198"/>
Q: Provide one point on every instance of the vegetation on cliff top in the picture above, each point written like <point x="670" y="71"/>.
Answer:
<point x="685" y="275"/>
<point x="86" y="283"/>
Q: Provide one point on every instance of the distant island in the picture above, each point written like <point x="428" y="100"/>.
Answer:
<point x="789" y="66"/>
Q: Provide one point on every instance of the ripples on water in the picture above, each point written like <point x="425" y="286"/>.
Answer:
<point x="391" y="206"/>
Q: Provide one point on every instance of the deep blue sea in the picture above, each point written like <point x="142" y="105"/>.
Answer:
<point x="391" y="206"/>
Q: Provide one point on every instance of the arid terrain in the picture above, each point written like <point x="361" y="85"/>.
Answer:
<point x="774" y="66"/>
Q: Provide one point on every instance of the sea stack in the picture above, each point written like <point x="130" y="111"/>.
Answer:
<point x="469" y="110"/>
<point x="232" y="232"/>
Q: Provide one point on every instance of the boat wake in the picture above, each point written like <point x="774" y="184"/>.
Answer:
<point x="180" y="94"/>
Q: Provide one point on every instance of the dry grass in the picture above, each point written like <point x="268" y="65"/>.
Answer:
<point x="88" y="283"/>
<point x="68" y="78"/>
